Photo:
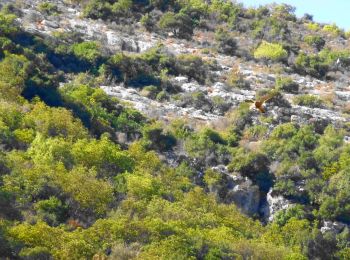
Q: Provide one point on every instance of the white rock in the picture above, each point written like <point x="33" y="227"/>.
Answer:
<point x="190" y="87"/>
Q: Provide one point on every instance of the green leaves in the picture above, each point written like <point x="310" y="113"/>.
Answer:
<point x="87" y="51"/>
<point x="270" y="51"/>
<point x="7" y="23"/>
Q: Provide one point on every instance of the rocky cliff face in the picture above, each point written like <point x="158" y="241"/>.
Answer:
<point x="256" y="75"/>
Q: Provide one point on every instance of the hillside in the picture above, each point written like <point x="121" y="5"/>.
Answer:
<point x="126" y="131"/>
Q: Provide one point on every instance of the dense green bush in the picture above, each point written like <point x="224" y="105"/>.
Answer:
<point x="315" y="41"/>
<point x="332" y="29"/>
<point x="226" y="43"/>
<point x="270" y="51"/>
<point x="319" y="64"/>
<point x="181" y="25"/>
<point x="7" y="24"/>
<point x="207" y="146"/>
<point x="313" y="26"/>
<point x="308" y="100"/>
<point x="88" y="51"/>
<point x="192" y="66"/>
<point x="310" y="64"/>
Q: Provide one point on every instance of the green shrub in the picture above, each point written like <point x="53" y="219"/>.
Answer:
<point x="347" y="34"/>
<point x="253" y="165"/>
<point x="256" y="132"/>
<point x="180" y="24"/>
<point x="283" y="216"/>
<point x="315" y="41"/>
<point x="13" y="73"/>
<point x="248" y="163"/>
<point x="284" y="131"/>
<point x="235" y="79"/>
<point x="332" y="29"/>
<point x="270" y="51"/>
<point x="51" y="210"/>
<point x="308" y="100"/>
<point x="87" y="51"/>
<point x="161" y="96"/>
<point x="284" y="12"/>
<point x="313" y="26"/>
<point x="121" y="7"/>
<point x="329" y="56"/>
<point x="150" y="91"/>
<point x="147" y="22"/>
<point x="192" y="66"/>
<point x="101" y="112"/>
<point x="180" y="129"/>
<point x="48" y="8"/>
<point x="207" y="146"/>
<point x="226" y="44"/>
<point x="96" y="9"/>
<point x="287" y="84"/>
<point x="220" y="104"/>
<point x="7" y="24"/>
<point x="312" y="64"/>
<point x="226" y="11"/>
<point x="155" y="138"/>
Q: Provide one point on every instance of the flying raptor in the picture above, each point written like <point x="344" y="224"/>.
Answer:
<point x="259" y="104"/>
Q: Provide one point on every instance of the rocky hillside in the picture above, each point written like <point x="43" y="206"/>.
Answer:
<point x="234" y="65"/>
<point x="178" y="77"/>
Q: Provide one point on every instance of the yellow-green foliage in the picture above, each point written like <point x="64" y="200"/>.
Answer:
<point x="332" y="29"/>
<point x="89" y="51"/>
<point x="82" y="176"/>
<point x="312" y="26"/>
<point x="347" y="34"/>
<point x="270" y="51"/>
<point x="7" y="23"/>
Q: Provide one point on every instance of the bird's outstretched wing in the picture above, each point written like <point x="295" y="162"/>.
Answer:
<point x="265" y="98"/>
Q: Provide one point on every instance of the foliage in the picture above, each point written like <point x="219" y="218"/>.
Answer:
<point x="48" y="8"/>
<point x="332" y="29"/>
<point x="315" y="40"/>
<point x="308" y="100"/>
<point x="193" y="66"/>
<point x="226" y="42"/>
<point x="236" y="80"/>
<point x="180" y="24"/>
<point x="311" y="64"/>
<point x="270" y="51"/>
<point x="287" y="84"/>
<point x="83" y="175"/>
<point x="101" y="113"/>
<point x="88" y="51"/>
<point x="7" y="24"/>
<point x="313" y="26"/>
<point x="155" y="139"/>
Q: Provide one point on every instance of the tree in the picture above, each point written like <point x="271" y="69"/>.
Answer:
<point x="7" y="24"/>
<point x="13" y="72"/>
<point x="89" y="192"/>
<point x="179" y="24"/>
<point x="88" y="51"/>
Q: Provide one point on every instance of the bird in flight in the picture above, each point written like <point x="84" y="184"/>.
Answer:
<point x="259" y="104"/>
